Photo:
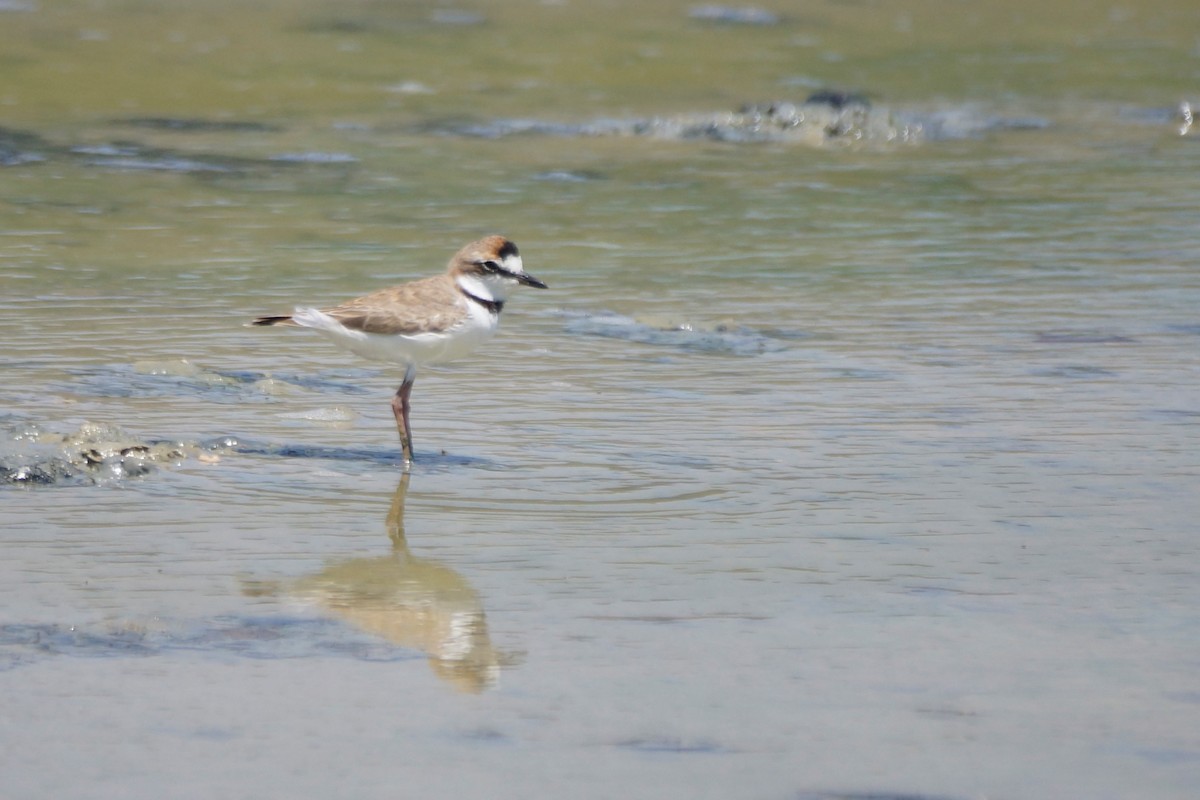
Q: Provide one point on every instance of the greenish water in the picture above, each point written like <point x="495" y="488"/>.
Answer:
<point x="828" y="465"/>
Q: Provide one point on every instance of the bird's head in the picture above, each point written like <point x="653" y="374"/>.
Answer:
<point x="494" y="262"/>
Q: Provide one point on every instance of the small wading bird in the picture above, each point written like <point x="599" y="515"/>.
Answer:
<point x="427" y="321"/>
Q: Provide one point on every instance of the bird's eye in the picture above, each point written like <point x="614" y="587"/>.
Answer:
<point x="490" y="266"/>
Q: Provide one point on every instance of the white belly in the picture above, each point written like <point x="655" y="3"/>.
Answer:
<point x="414" y="349"/>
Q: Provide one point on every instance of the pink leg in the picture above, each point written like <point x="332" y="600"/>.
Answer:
<point x="400" y="407"/>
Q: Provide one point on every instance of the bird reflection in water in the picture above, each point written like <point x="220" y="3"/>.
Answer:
<point x="411" y="602"/>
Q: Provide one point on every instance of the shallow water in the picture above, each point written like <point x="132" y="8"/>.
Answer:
<point x="828" y="467"/>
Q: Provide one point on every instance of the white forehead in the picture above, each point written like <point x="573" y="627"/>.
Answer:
<point x="512" y="262"/>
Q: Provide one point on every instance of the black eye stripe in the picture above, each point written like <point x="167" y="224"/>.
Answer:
<point x="491" y="266"/>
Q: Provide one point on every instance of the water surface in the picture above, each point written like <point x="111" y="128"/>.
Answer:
<point x="829" y="467"/>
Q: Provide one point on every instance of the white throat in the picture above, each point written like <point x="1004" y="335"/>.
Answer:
<point x="492" y="290"/>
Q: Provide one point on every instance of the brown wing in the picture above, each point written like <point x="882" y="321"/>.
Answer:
<point x="430" y="304"/>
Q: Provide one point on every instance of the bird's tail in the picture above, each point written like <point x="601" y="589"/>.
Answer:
<point x="286" y="319"/>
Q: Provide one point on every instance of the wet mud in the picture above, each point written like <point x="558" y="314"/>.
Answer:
<point x="91" y="454"/>
<point x="41" y="453"/>
<point x="824" y="117"/>
<point x="102" y="454"/>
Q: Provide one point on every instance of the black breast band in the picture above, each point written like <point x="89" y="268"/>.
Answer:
<point x="494" y="306"/>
